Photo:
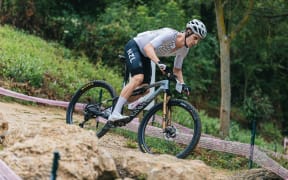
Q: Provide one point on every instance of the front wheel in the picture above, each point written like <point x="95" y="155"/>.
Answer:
<point x="179" y="138"/>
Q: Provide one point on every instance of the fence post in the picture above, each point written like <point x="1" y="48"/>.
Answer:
<point x="55" y="165"/>
<point x="253" y="134"/>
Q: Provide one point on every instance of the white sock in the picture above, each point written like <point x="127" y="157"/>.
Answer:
<point x="118" y="107"/>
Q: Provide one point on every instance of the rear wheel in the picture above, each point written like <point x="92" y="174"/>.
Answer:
<point x="93" y="101"/>
<point x="179" y="138"/>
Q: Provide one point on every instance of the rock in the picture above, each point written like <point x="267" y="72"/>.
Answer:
<point x="80" y="155"/>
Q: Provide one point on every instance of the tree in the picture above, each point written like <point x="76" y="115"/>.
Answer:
<point x="224" y="41"/>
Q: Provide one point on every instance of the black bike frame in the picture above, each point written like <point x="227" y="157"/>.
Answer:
<point x="163" y="86"/>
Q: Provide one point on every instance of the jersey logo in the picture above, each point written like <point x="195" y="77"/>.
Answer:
<point x="131" y="55"/>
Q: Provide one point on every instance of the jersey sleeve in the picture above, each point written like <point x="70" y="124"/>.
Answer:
<point x="158" y="40"/>
<point x="179" y="58"/>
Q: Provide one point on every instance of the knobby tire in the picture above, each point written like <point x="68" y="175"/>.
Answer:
<point x="96" y="94"/>
<point x="185" y="120"/>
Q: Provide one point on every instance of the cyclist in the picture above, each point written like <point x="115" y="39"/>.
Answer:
<point x="150" y="45"/>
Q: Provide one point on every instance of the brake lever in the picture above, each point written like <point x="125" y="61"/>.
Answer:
<point x="170" y="75"/>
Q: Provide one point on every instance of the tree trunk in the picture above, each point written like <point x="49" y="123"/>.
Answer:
<point x="225" y="70"/>
<point x="225" y="107"/>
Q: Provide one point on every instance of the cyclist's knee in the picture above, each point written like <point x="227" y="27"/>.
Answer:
<point x="138" y="79"/>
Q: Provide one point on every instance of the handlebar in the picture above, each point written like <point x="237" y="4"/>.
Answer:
<point x="181" y="88"/>
<point x="170" y="75"/>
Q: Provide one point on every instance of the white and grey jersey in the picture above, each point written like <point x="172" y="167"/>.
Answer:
<point x="163" y="40"/>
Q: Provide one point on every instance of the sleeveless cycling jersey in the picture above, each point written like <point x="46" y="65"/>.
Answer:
<point x="163" y="40"/>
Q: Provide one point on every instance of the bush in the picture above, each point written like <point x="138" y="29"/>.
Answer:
<point x="209" y="125"/>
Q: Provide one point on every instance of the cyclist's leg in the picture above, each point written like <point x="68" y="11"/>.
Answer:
<point x="136" y="97"/>
<point x="135" y="67"/>
<point x="134" y="82"/>
<point x="147" y="71"/>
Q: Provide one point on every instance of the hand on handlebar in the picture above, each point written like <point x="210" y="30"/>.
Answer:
<point x="186" y="89"/>
<point x="161" y="66"/>
<point x="183" y="88"/>
<point x="164" y="69"/>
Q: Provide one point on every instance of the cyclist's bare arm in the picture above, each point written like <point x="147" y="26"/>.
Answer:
<point x="179" y="75"/>
<point x="150" y="52"/>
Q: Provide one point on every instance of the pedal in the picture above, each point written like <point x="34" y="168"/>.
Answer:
<point x="109" y="125"/>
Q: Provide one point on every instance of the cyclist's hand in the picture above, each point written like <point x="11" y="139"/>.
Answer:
<point x="161" y="66"/>
<point x="186" y="89"/>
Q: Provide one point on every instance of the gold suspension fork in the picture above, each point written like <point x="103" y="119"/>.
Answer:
<point x="166" y="120"/>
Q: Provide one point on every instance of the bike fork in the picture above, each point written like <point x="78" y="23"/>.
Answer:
<point x="166" y="112"/>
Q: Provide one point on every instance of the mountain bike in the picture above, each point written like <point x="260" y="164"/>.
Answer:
<point x="171" y="126"/>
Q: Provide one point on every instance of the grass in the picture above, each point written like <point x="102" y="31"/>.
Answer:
<point x="41" y="68"/>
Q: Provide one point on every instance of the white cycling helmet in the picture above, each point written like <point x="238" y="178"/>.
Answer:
<point x="197" y="27"/>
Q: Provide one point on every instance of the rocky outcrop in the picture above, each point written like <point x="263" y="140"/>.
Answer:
<point x="80" y="155"/>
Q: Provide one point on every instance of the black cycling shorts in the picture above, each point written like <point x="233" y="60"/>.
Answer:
<point x="137" y="63"/>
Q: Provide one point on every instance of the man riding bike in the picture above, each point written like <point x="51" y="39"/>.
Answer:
<point x="150" y="45"/>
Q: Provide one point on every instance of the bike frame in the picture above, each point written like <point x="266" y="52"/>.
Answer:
<point x="162" y="87"/>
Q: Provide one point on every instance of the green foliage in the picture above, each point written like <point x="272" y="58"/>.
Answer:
<point x="48" y="66"/>
<point x="270" y="132"/>
<point x="200" y="68"/>
<point x="210" y="125"/>
<point x="244" y="135"/>
<point x="171" y="15"/>
<point x="111" y="34"/>
<point x="27" y="13"/>
<point x="131" y="144"/>
<point x="71" y="29"/>
<point x="221" y="160"/>
<point x="259" y="58"/>
<point x="143" y="20"/>
<point x="267" y="135"/>
<point x="258" y="106"/>
<point x="18" y="60"/>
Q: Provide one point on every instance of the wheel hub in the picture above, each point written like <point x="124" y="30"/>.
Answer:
<point x="170" y="132"/>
